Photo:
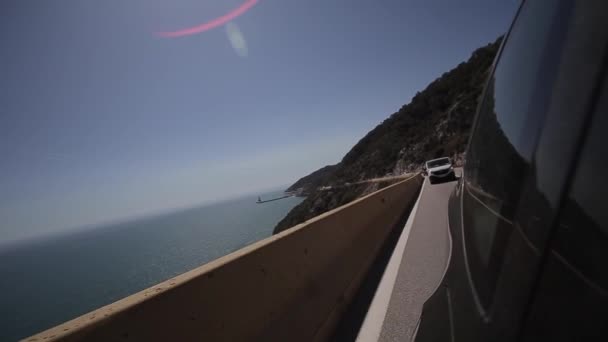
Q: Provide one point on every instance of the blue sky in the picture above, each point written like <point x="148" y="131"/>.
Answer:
<point x="102" y="120"/>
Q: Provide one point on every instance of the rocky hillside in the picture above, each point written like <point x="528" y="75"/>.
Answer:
<point x="319" y="202"/>
<point x="435" y="123"/>
<point x="314" y="179"/>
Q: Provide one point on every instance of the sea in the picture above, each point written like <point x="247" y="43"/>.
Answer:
<point x="49" y="281"/>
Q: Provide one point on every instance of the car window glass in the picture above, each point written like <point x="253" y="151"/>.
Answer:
<point x="440" y="162"/>
<point x="510" y="117"/>
<point x="582" y="234"/>
<point x="570" y="301"/>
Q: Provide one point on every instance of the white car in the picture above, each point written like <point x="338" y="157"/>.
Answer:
<point x="440" y="168"/>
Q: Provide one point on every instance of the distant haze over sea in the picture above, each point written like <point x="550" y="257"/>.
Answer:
<point x="48" y="281"/>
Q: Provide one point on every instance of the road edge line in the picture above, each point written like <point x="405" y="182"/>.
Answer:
<point x="374" y="318"/>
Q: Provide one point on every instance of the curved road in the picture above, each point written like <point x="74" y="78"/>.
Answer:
<point x="414" y="271"/>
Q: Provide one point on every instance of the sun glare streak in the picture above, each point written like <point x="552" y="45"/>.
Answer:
<point x="219" y="21"/>
<point x="237" y="40"/>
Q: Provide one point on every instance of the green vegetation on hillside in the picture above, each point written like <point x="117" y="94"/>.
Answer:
<point x="435" y="123"/>
<point x="317" y="178"/>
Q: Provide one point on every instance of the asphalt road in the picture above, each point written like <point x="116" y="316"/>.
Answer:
<point x="424" y="260"/>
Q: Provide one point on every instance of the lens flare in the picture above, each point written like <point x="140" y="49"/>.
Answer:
<point x="237" y="40"/>
<point x="242" y="9"/>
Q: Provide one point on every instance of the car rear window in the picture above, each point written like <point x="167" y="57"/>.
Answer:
<point x="438" y="162"/>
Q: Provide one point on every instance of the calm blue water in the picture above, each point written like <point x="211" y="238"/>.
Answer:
<point x="47" y="282"/>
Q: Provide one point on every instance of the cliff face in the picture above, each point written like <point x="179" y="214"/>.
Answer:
<point x="435" y="123"/>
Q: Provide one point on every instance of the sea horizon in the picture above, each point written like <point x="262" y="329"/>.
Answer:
<point x="64" y="232"/>
<point x="49" y="280"/>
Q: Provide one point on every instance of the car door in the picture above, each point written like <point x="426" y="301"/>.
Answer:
<point x="525" y="139"/>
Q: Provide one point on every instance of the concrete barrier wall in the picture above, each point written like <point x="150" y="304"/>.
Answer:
<point x="292" y="286"/>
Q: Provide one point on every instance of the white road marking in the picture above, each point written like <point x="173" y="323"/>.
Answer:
<point x="374" y="319"/>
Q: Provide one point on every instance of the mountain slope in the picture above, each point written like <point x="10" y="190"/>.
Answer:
<point x="314" y="179"/>
<point x="435" y="123"/>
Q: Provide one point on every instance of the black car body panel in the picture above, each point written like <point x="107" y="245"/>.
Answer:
<point x="529" y="237"/>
